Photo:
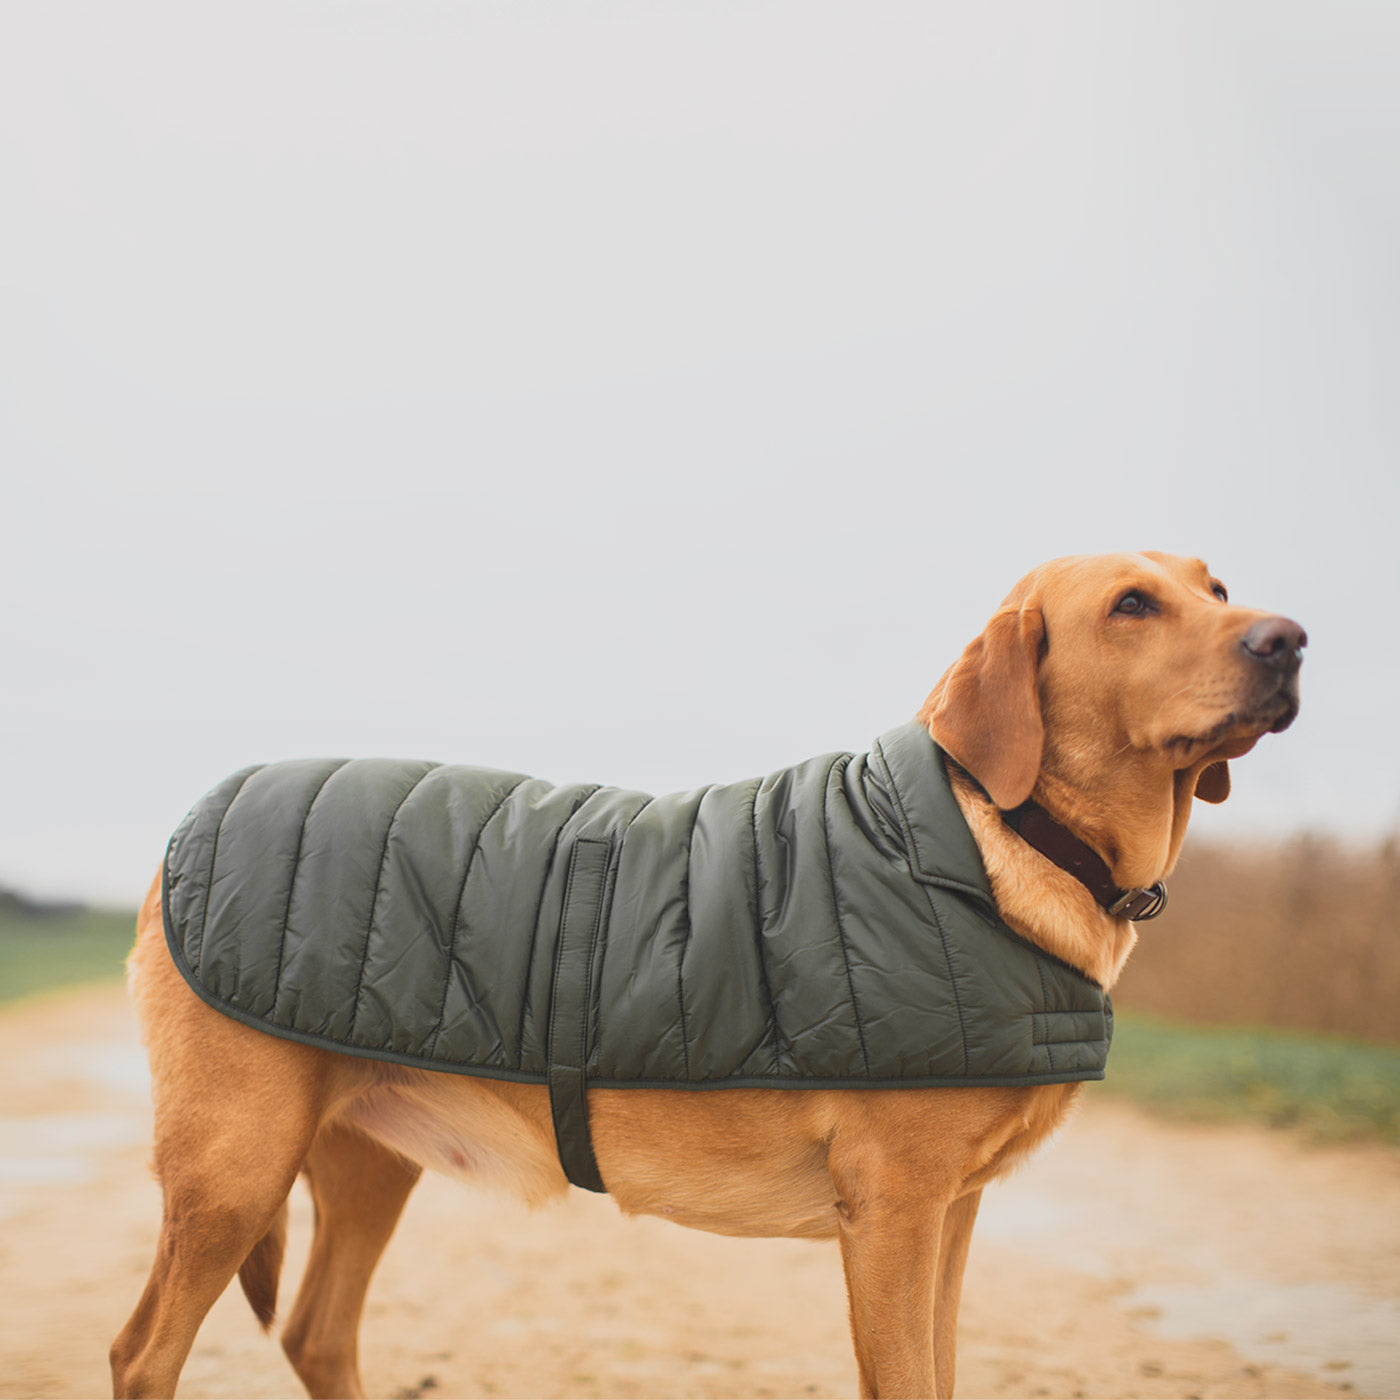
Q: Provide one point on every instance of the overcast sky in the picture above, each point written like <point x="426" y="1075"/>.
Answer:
<point x="661" y="393"/>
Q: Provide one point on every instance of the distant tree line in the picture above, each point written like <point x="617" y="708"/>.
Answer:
<point x="14" y="905"/>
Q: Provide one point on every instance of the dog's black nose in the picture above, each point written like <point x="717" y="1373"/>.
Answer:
<point x="1276" y="641"/>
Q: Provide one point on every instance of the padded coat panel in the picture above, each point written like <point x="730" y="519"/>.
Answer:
<point x="828" y="925"/>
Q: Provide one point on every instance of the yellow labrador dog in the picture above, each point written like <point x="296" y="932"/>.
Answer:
<point x="1104" y="695"/>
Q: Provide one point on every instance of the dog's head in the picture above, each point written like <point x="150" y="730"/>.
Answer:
<point x="1103" y="678"/>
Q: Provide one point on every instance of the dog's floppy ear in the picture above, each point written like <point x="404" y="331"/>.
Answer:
<point x="986" y="709"/>
<point x="1213" y="782"/>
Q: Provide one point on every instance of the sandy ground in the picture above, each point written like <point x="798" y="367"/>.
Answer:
<point x="1132" y="1258"/>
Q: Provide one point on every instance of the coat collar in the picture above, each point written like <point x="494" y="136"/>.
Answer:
<point x="939" y="845"/>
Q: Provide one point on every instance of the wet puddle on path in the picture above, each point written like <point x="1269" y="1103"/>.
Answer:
<point x="1321" y="1328"/>
<point x="41" y="1152"/>
<point x="1335" y="1332"/>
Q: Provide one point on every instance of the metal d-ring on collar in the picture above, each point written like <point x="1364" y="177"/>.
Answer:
<point x="1057" y="843"/>
<point x="1154" y="900"/>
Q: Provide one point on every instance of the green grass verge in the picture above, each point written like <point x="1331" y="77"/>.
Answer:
<point x="1336" y="1090"/>
<point x="42" y="952"/>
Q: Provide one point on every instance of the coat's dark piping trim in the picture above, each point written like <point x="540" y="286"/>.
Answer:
<point x="292" y="883"/>
<point x="431" y="1044"/>
<point x="374" y="899"/>
<point x="535" y="923"/>
<point x="213" y="860"/>
<point x="836" y="909"/>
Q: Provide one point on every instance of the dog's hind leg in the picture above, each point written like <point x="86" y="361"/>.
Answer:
<point x="222" y="1195"/>
<point x="235" y="1113"/>
<point x="359" y="1189"/>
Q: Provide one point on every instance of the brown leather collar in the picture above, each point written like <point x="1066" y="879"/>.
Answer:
<point x="1057" y="843"/>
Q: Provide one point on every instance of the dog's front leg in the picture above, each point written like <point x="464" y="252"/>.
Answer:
<point x="952" y="1260"/>
<point x="890" y="1240"/>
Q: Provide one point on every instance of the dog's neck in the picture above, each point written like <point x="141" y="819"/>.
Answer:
<point x="1130" y="809"/>
<point x="1035" y="826"/>
<point x="1039" y="900"/>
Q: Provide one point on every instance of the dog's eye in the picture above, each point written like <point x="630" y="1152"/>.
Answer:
<point x="1133" y="602"/>
<point x="1220" y="592"/>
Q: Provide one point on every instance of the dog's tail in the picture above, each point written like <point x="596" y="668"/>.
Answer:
<point x="262" y="1268"/>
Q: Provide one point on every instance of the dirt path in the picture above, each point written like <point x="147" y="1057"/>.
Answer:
<point x="1131" y="1258"/>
